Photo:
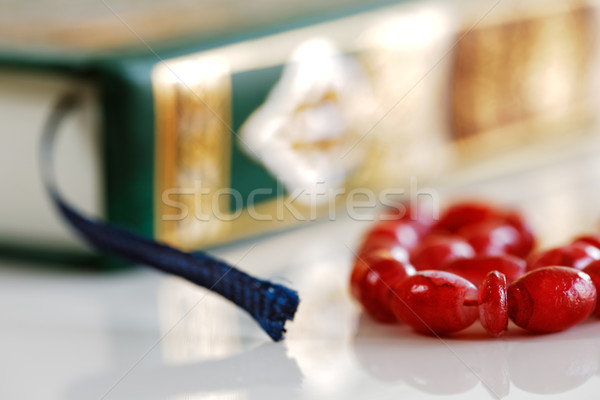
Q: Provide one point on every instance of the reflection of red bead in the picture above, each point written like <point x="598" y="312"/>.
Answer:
<point x="593" y="270"/>
<point x="463" y="214"/>
<point x="476" y="269"/>
<point x="435" y="302"/>
<point x="437" y="250"/>
<point x="577" y="255"/>
<point x="492" y="237"/>
<point x="551" y="299"/>
<point x="493" y="311"/>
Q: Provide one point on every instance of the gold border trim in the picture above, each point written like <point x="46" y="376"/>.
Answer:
<point x="193" y="147"/>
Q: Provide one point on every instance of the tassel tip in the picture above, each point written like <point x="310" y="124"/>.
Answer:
<point x="284" y="306"/>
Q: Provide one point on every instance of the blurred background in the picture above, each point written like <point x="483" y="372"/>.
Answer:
<point x="304" y="96"/>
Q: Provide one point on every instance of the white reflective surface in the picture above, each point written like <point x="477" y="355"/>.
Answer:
<point x="139" y="334"/>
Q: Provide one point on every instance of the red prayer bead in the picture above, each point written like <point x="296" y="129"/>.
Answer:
<point x="420" y="213"/>
<point x="406" y="233"/>
<point x="435" y="302"/>
<point x="577" y="255"/>
<point x="372" y="279"/>
<point x="366" y="262"/>
<point x="464" y="213"/>
<point x="437" y="250"/>
<point x="493" y="237"/>
<point x="476" y="269"/>
<point x="551" y="299"/>
<point x="526" y="237"/>
<point x="493" y="307"/>
<point x="591" y="239"/>
<point x="593" y="270"/>
<point x="371" y="245"/>
<point x="357" y="276"/>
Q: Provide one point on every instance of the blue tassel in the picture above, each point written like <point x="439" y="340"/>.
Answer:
<point x="270" y="304"/>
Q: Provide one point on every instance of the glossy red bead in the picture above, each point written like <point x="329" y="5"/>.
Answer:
<point x="476" y="269"/>
<point x="463" y="214"/>
<point x="406" y="233"/>
<point x="551" y="299"/>
<point x="357" y="276"/>
<point x="494" y="237"/>
<point x="385" y="243"/>
<point x="419" y="213"/>
<point x="593" y="270"/>
<point x="577" y="255"/>
<point x="372" y="279"/>
<point x="437" y="250"/>
<point x="367" y="261"/>
<point x="435" y="302"/>
<point x="377" y="291"/>
<point x="591" y="239"/>
<point x="493" y="306"/>
<point x="526" y="242"/>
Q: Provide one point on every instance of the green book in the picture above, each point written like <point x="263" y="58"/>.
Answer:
<point x="207" y="122"/>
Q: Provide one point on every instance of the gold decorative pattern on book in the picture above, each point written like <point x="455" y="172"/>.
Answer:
<point x="193" y="147"/>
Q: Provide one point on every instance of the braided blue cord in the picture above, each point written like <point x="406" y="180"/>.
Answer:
<point x="270" y="304"/>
